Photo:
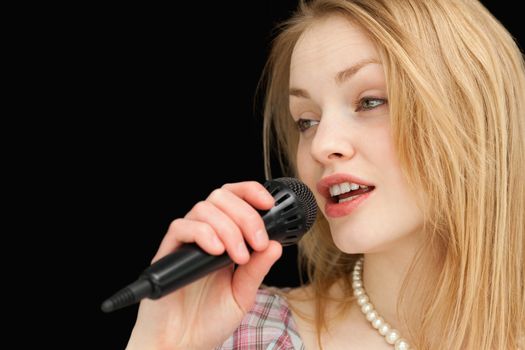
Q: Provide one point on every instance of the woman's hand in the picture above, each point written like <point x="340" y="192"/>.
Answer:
<point x="202" y="315"/>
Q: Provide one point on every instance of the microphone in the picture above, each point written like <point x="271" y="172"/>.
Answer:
<point x="287" y="221"/>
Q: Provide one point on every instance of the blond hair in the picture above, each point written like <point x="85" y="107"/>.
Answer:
<point x="456" y="89"/>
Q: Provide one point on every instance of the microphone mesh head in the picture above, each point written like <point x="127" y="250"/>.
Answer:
<point x="305" y="196"/>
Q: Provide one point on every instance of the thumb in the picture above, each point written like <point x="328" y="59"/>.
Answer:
<point x="248" y="277"/>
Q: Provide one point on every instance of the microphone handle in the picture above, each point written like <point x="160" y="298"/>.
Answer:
<point x="185" y="265"/>
<point x="188" y="263"/>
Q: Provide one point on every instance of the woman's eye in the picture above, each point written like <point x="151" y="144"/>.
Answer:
<point x="367" y="103"/>
<point x="305" y="124"/>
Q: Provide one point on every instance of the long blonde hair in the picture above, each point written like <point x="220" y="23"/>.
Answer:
<point x="456" y="89"/>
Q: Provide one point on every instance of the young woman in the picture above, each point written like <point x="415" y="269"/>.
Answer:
<point x="406" y="119"/>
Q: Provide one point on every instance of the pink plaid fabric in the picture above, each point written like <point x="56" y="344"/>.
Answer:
<point x="268" y="325"/>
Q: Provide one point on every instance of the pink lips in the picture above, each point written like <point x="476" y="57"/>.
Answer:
<point x="334" y="209"/>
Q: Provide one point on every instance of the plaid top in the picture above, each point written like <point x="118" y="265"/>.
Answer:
<point x="267" y="326"/>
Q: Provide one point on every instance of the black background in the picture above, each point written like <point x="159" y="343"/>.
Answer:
<point x="175" y="118"/>
<point x="160" y="111"/>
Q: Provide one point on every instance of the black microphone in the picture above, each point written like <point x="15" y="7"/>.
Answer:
<point x="287" y="221"/>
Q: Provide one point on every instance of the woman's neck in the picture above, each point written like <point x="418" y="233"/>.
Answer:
<point x="383" y="276"/>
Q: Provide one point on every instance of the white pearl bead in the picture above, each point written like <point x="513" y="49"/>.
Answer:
<point x="378" y="322"/>
<point x="392" y="336"/>
<point x="402" y="344"/>
<point x="366" y="308"/>
<point x="371" y="315"/>
<point x="362" y="300"/>
<point x="384" y="329"/>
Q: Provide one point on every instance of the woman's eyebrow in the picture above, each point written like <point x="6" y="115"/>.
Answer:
<point x="340" y="77"/>
<point x="349" y="72"/>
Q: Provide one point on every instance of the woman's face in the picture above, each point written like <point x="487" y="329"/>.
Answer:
<point x="338" y="98"/>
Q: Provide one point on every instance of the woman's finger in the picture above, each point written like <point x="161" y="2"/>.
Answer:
<point x="189" y="231"/>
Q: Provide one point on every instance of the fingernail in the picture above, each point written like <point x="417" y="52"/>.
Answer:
<point x="216" y="242"/>
<point x="268" y="195"/>
<point x="241" y="250"/>
<point x="260" y="237"/>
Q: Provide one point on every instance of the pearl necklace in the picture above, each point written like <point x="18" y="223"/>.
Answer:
<point x="392" y="336"/>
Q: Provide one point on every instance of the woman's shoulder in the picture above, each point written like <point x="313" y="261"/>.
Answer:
<point x="268" y="324"/>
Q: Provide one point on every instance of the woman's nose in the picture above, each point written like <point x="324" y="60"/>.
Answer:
<point x="333" y="140"/>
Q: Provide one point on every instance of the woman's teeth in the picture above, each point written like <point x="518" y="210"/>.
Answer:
<point x="336" y="190"/>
